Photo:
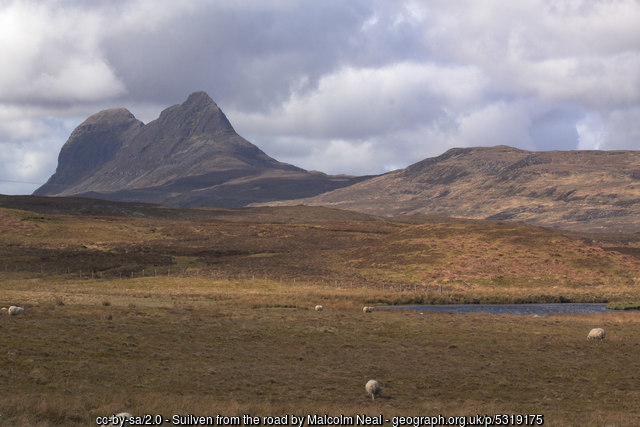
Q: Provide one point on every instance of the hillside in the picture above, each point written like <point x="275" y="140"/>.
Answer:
<point x="574" y="190"/>
<point x="189" y="156"/>
<point x="477" y="259"/>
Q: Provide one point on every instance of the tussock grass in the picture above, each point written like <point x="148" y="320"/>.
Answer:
<point x="624" y="306"/>
<point x="216" y="337"/>
<point x="169" y="345"/>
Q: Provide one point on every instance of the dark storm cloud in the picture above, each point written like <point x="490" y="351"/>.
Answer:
<point x="251" y="57"/>
<point x="344" y="87"/>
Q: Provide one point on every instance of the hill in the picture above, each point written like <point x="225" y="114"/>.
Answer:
<point x="575" y="190"/>
<point x="478" y="260"/>
<point x="189" y="156"/>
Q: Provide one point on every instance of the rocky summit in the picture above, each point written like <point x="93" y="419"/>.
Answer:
<point x="189" y="156"/>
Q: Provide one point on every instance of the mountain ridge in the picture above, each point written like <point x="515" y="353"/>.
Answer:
<point x="189" y="155"/>
<point x="582" y="190"/>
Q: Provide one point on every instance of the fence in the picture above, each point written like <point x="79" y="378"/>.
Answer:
<point x="216" y="275"/>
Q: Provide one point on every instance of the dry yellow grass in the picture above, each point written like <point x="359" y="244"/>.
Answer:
<point x="186" y="345"/>
<point x="215" y="337"/>
<point x="473" y="260"/>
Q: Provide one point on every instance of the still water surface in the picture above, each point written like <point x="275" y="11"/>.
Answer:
<point x="531" y="309"/>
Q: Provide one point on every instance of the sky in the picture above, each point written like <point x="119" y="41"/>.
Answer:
<point x="355" y="87"/>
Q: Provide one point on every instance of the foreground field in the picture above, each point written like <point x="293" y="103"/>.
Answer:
<point x="210" y="312"/>
<point x="172" y="345"/>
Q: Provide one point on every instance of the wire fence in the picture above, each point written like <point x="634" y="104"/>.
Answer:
<point x="35" y="271"/>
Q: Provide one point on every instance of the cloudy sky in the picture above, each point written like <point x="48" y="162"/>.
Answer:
<point x="349" y="86"/>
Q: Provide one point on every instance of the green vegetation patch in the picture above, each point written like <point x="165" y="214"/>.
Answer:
<point x="624" y="306"/>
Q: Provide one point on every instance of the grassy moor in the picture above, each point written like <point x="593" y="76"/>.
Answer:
<point x="210" y="312"/>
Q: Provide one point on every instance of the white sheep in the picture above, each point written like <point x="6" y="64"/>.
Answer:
<point x="373" y="388"/>
<point x="14" y="310"/>
<point x="319" y="307"/>
<point x="596" y="334"/>
<point x="367" y="309"/>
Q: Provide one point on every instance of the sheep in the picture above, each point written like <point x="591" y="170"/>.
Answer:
<point x="15" y="310"/>
<point x="373" y="389"/>
<point x="367" y="309"/>
<point x="596" y="334"/>
<point x="319" y="307"/>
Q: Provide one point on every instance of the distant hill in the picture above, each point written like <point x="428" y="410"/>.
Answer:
<point x="189" y="156"/>
<point x="575" y="190"/>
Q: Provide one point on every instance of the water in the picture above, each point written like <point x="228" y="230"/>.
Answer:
<point x="530" y="309"/>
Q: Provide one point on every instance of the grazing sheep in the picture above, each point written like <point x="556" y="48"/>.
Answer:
<point x="596" y="334"/>
<point x="373" y="388"/>
<point x="15" y="310"/>
<point x="367" y="309"/>
<point x="319" y="308"/>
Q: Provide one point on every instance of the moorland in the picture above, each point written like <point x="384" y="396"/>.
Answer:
<point x="210" y="311"/>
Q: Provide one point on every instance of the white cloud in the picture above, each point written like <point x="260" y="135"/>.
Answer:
<point x="363" y="102"/>
<point x="591" y="133"/>
<point x="360" y="85"/>
<point x="51" y="54"/>
<point x="496" y="124"/>
<point x="26" y="168"/>
<point x="623" y="129"/>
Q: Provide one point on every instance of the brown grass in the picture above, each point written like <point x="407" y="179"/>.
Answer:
<point x="166" y="345"/>
<point x="215" y="337"/>
<point x="471" y="259"/>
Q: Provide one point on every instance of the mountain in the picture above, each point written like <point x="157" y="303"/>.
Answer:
<point x="575" y="190"/>
<point x="189" y="156"/>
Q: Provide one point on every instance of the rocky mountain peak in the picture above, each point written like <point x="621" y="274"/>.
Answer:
<point x="199" y="99"/>
<point x="111" y="116"/>
<point x="189" y="155"/>
<point x="199" y="114"/>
